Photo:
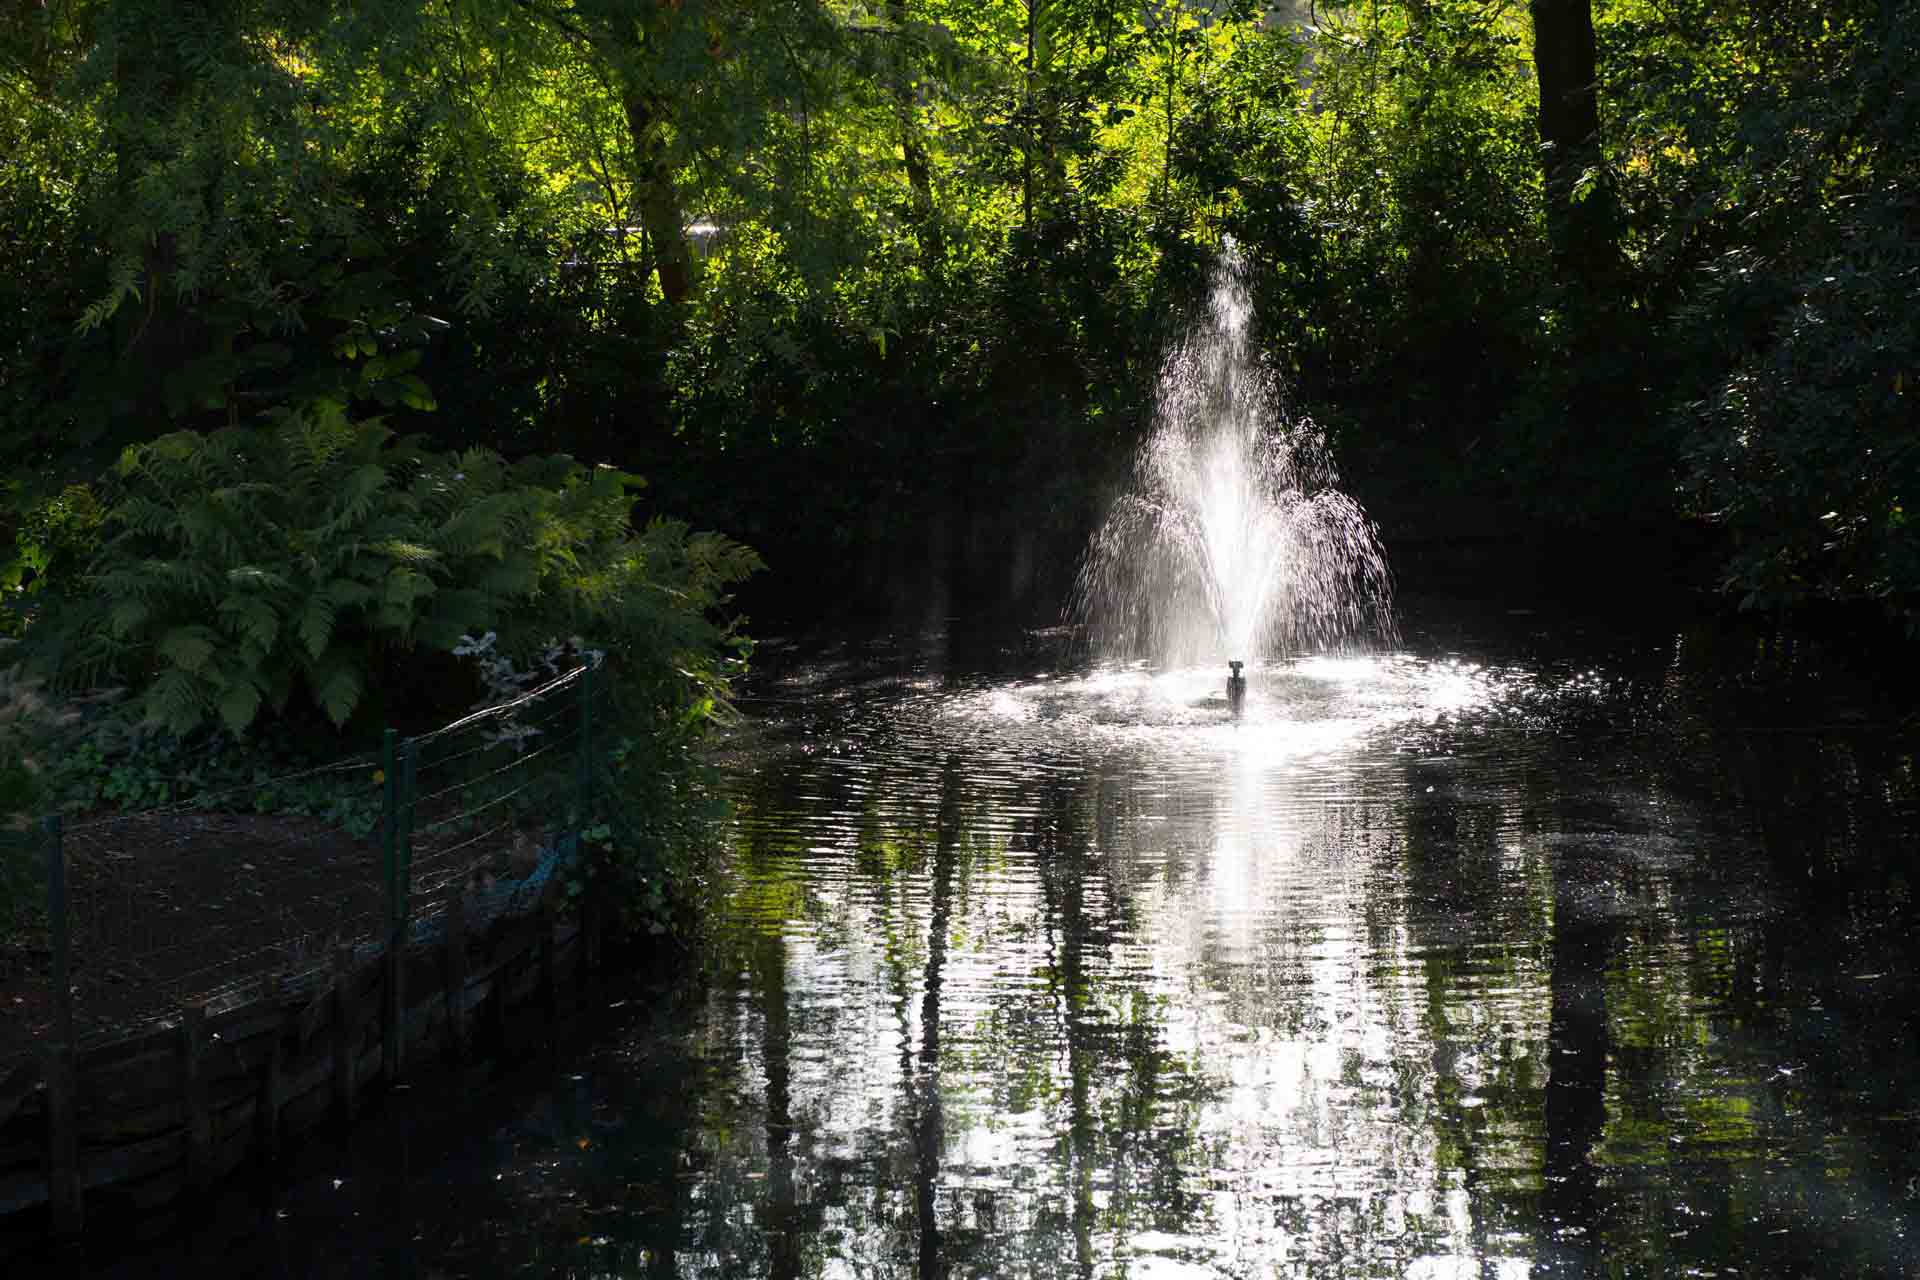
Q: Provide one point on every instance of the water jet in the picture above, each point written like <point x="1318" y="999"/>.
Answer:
<point x="1233" y="536"/>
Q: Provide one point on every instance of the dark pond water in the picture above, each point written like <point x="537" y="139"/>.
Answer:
<point x="1537" y="948"/>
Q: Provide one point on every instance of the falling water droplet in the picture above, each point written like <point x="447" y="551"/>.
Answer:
<point x="1234" y="538"/>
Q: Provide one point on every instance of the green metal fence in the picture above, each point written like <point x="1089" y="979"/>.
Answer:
<point x="212" y="902"/>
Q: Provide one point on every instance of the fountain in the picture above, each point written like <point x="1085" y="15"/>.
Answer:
<point x="1234" y="541"/>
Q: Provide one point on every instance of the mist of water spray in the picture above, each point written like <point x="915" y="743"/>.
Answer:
<point x="1234" y="540"/>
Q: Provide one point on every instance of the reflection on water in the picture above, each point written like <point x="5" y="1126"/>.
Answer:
<point x="1419" y="966"/>
<point x="1497" y="963"/>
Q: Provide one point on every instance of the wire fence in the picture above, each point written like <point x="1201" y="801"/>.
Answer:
<point x="218" y="900"/>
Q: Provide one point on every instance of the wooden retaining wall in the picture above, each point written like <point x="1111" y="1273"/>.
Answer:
<point x="138" y="1124"/>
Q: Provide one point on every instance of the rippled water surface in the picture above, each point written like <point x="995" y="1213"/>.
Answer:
<point x="1525" y="951"/>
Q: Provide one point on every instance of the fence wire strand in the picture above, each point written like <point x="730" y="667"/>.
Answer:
<point x="207" y="902"/>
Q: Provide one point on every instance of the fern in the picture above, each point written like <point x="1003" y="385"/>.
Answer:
<point x="237" y="567"/>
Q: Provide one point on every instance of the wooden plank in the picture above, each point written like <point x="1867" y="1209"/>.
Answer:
<point x="454" y="955"/>
<point x="18" y="1085"/>
<point x="128" y="1123"/>
<point x="21" y="1190"/>
<point x="367" y="1062"/>
<point x="314" y="1016"/>
<point x="549" y="987"/>
<point x="512" y="943"/>
<point x="193" y="1095"/>
<point x="345" y="1095"/>
<point x="63" y="1141"/>
<point x="265" y="1016"/>
<point x="156" y="1043"/>
<point x="163" y="1157"/>
<point x="25" y="1153"/>
<point x="245" y="1083"/>
<point x="147" y="1082"/>
<point x="320" y="1012"/>
<point x="234" y="1143"/>
<point x="271" y="1093"/>
<point x="309" y="1098"/>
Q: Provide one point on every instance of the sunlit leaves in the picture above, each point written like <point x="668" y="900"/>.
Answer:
<point x="311" y="579"/>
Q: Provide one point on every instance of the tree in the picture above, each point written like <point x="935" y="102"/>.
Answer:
<point x="1580" y="215"/>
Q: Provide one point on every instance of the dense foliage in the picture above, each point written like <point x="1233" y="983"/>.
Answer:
<point x="879" y="286"/>
<point x="317" y="554"/>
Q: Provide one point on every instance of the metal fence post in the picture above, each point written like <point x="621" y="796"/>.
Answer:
<point x="586" y="745"/>
<point x="590" y="904"/>
<point x="389" y="821"/>
<point x="409" y="806"/>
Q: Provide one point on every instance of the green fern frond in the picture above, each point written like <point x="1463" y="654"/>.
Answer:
<point x="354" y="499"/>
<point x="404" y="586"/>
<point x="346" y="593"/>
<point x="176" y="700"/>
<point x="252" y="619"/>
<point x="336" y="684"/>
<point x="127" y="615"/>
<point x="253" y="577"/>
<point x="407" y="552"/>
<point x="239" y="702"/>
<point x="188" y="647"/>
<point x="315" y="624"/>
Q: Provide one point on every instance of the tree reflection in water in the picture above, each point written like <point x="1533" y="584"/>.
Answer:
<point x="1564" y="965"/>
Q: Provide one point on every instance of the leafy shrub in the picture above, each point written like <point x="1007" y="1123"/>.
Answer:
<point x="29" y="723"/>
<point x="50" y="534"/>
<point x="239" y="566"/>
<point x="651" y="831"/>
<point x="1807" y="450"/>
<point x="657" y="836"/>
<point x="29" y="727"/>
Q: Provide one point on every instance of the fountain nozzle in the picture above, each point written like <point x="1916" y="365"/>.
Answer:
<point x="1236" y="685"/>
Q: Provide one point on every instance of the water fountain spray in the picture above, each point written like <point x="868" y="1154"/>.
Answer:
<point x="1233" y="538"/>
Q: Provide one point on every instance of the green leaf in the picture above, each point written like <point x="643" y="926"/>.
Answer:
<point x="256" y="620"/>
<point x="126" y="616"/>
<point x="239" y="702"/>
<point x="176" y="700"/>
<point x="316" y="624"/>
<point x="189" y="647"/>
<point x="336" y="686"/>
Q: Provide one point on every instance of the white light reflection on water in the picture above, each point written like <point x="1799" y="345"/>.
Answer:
<point x="1076" y="975"/>
<point x="1230" y="867"/>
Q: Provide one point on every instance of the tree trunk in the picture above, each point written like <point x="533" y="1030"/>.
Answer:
<point x="913" y="154"/>
<point x="1580" y="229"/>
<point x="1029" y="110"/>
<point x="655" y="198"/>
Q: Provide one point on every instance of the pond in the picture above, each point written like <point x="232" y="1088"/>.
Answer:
<point x="1535" y="947"/>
